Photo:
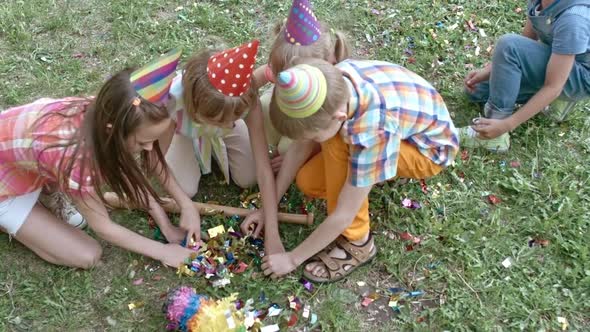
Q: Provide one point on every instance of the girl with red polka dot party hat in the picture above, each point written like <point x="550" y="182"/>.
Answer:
<point x="217" y="111"/>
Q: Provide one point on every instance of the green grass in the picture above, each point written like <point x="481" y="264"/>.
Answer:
<point x="59" y="48"/>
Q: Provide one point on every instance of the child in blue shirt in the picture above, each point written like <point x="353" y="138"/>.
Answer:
<point x="550" y="60"/>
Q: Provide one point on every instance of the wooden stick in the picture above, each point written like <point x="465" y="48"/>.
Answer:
<point x="213" y="209"/>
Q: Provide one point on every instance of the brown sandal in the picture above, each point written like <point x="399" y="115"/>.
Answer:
<point x="338" y="268"/>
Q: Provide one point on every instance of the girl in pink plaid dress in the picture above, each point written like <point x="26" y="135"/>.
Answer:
<point x="77" y="146"/>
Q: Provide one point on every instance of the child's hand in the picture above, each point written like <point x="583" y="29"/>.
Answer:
<point x="474" y="77"/>
<point x="254" y="219"/>
<point x="190" y="221"/>
<point x="276" y="163"/>
<point x="273" y="246"/>
<point x="174" y="234"/>
<point x="173" y="255"/>
<point x="278" y="265"/>
<point x="492" y="128"/>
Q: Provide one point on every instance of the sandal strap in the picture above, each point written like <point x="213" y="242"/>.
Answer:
<point x="360" y="253"/>
<point x="328" y="261"/>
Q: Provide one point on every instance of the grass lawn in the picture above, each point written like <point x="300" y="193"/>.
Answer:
<point x="61" y="48"/>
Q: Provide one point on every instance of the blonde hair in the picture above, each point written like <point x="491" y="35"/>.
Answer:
<point x="338" y="94"/>
<point x="201" y="98"/>
<point x="330" y="42"/>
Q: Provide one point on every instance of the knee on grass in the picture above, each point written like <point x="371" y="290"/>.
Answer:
<point x="85" y="257"/>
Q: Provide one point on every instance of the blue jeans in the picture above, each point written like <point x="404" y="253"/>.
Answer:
<point x="518" y="72"/>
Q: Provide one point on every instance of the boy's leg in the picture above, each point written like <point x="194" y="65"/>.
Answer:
<point x="57" y="242"/>
<point x="518" y="72"/>
<point x="242" y="166"/>
<point x="335" y="157"/>
<point x="311" y="178"/>
<point x="412" y="164"/>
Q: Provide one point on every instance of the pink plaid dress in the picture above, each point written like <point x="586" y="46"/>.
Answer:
<point x="27" y="159"/>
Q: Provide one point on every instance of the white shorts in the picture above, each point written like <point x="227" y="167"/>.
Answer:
<point x="15" y="210"/>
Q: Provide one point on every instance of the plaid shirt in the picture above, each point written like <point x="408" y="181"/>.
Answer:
<point x="26" y="161"/>
<point x="388" y="104"/>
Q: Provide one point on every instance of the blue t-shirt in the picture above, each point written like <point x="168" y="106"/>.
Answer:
<point x="569" y="33"/>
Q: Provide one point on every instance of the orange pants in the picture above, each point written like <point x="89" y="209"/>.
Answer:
<point x="334" y="160"/>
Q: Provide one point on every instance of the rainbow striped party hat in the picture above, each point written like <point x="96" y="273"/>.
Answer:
<point x="302" y="26"/>
<point x="301" y="91"/>
<point x="152" y="81"/>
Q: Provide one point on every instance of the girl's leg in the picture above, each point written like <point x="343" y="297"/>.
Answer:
<point x="242" y="166"/>
<point x="57" y="242"/>
<point x="183" y="164"/>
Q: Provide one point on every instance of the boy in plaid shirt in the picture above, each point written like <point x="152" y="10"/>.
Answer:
<point x="374" y="121"/>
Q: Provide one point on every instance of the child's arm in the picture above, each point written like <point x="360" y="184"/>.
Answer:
<point x="190" y="221"/>
<point x="557" y="73"/>
<point x="261" y="76"/>
<point x="528" y="30"/>
<point x="297" y="154"/>
<point x="265" y="177"/>
<point x="96" y="214"/>
<point x="349" y="202"/>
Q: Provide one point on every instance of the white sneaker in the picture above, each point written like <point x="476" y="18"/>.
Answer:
<point x="61" y="206"/>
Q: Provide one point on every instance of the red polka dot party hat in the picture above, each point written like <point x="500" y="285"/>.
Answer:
<point x="230" y="71"/>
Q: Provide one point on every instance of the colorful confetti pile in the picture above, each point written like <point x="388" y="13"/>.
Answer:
<point x="188" y="311"/>
<point x="225" y="254"/>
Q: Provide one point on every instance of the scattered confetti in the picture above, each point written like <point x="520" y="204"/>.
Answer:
<point x="423" y="187"/>
<point x="471" y="25"/>
<point x="307" y="284"/>
<point x="515" y="164"/>
<point x="366" y="301"/>
<point x="411" y="204"/>
<point x="137" y="282"/>
<point x="464" y="155"/>
<point x="214" y="231"/>
<point x="274" y="310"/>
<point x="395" y="290"/>
<point x="219" y="283"/>
<point x="306" y="311"/>
<point x="270" y="328"/>
<point x="538" y="242"/>
<point x="563" y="322"/>
<point x="314" y="319"/>
<point x="135" y="305"/>
<point x="415" y="293"/>
<point x="225" y="254"/>
<point x="507" y="262"/>
<point x="494" y="200"/>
